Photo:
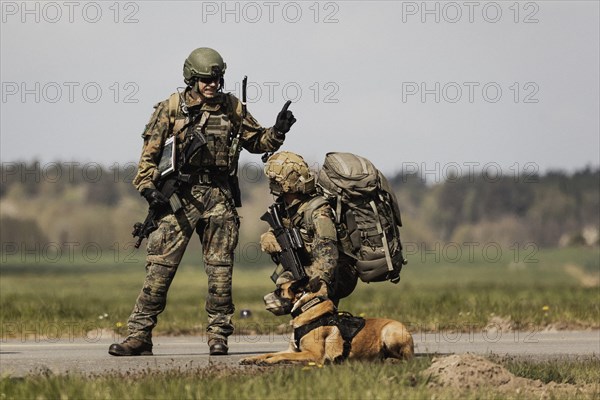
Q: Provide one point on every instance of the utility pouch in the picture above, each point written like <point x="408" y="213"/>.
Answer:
<point x="193" y="149"/>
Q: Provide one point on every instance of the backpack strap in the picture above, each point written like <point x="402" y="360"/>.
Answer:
<point x="176" y="117"/>
<point x="309" y="207"/>
<point x="386" y="247"/>
<point x="338" y="208"/>
<point x="174" y="101"/>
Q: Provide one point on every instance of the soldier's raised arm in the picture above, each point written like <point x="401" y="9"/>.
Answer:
<point x="257" y="139"/>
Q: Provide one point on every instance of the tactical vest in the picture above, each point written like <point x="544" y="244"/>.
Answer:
<point x="218" y="128"/>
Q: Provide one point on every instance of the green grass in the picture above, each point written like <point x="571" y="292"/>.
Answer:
<point x="393" y="381"/>
<point x="352" y="380"/>
<point x="574" y="372"/>
<point x="429" y="297"/>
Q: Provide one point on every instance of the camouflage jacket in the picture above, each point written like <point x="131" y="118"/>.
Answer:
<point x="255" y="139"/>
<point x="314" y="218"/>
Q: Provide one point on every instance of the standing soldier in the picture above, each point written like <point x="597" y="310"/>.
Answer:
<point x="330" y="271"/>
<point x="210" y="128"/>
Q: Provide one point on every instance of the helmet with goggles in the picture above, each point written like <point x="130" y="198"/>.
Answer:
<point x="203" y="63"/>
<point x="289" y="173"/>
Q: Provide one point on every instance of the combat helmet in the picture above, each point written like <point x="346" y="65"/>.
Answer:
<point x="203" y="62"/>
<point x="289" y="173"/>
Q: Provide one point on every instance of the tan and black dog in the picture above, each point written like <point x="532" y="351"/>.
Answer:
<point x="378" y="339"/>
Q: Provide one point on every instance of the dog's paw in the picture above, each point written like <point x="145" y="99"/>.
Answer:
<point x="248" y="361"/>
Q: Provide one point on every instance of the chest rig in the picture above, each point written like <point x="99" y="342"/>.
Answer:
<point x="216" y="122"/>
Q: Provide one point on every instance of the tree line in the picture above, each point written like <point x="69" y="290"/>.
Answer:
<point x="61" y="202"/>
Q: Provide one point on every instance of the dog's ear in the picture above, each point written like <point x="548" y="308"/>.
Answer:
<point x="300" y="284"/>
<point x="284" y="277"/>
<point x="314" y="285"/>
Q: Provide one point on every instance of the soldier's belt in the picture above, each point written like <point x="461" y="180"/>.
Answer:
<point x="205" y="177"/>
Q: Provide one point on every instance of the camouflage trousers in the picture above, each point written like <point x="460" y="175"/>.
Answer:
<point x="210" y="212"/>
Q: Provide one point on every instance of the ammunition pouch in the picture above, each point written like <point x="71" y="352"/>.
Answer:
<point x="193" y="148"/>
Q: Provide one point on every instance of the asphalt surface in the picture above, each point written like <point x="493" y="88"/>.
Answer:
<point x="89" y="356"/>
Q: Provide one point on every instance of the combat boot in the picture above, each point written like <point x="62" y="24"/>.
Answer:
<point x="217" y="347"/>
<point x="130" y="347"/>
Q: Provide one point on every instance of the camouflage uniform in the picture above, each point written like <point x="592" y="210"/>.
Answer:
<point x="313" y="217"/>
<point x="208" y="208"/>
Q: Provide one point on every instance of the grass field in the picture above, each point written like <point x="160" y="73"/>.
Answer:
<point x="430" y="296"/>
<point x="433" y="295"/>
<point x="352" y="380"/>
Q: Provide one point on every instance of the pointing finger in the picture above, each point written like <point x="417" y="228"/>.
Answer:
<point x="286" y="105"/>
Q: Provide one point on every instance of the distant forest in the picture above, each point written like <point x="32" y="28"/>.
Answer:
<point x="76" y="202"/>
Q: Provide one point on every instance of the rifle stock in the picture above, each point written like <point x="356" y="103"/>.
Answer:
<point x="142" y="230"/>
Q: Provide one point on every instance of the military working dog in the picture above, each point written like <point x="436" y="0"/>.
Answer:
<point x="321" y="334"/>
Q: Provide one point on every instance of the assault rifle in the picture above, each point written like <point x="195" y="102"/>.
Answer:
<point x="289" y="240"/>
<point x="168" y="188"/>
<point x="171" y="178"/>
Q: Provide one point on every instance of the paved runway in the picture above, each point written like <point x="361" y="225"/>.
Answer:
<point x="19" y="357"/>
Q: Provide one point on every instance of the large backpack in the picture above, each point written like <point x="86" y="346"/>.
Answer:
<point x="367" y="215"/>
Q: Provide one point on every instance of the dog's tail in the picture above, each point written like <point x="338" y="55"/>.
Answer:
<point x="398" y="341"/>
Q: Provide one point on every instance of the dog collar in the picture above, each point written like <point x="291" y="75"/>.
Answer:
<point x="308" y="305"/>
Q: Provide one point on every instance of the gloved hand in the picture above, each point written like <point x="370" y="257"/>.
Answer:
<point x="268" y="243"/>
<point x="155" y="198"/>
<point x="285" y="119"/>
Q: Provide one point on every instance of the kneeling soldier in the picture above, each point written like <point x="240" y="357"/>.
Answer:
<point x="294" y="185"/>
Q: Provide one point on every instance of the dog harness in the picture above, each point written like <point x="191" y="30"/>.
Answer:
<point x="348" y="325"/>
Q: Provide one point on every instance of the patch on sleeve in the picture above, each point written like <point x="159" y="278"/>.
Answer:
<point x="325" y="228"/>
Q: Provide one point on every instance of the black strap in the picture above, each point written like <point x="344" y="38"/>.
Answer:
<point x="324" y="320"/>
<point x="348" y="325"/>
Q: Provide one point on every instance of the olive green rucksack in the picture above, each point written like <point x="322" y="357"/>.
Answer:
<point x="367" y="215"/>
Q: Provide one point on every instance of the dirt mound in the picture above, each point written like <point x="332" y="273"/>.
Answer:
<point x="468" y="371"/>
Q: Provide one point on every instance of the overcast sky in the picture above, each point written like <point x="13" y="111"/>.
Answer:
<point x="435" y="85"/>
